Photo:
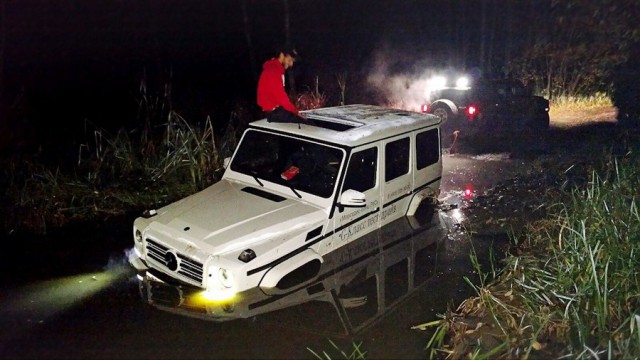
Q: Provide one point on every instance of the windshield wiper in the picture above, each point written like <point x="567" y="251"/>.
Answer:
<point x="255" y="177"/>
<point x="295" y="192"/>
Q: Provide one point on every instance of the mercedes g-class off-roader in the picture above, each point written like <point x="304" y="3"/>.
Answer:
<point x="488" y="106"/>
<point x="292" y="193"/>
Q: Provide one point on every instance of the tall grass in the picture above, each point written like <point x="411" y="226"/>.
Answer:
<point x="356" y="352"/>
<point x="566" y="102"/>
<point x="166" y="158"/>
<point x="573" y="292"/>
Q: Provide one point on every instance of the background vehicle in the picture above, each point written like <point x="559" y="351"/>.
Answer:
<point x="488" y="105"/>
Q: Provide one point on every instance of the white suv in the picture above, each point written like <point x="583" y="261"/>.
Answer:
<point x="291" y="194"/>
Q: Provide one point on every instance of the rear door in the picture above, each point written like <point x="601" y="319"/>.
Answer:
<point x="397" y="175"/>
<point x="428" y="164"/>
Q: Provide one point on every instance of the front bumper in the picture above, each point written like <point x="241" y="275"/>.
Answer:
<point x="136" y="260"/>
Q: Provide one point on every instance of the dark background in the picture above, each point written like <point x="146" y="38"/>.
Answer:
<point x="86" y="59"/>
<point x="68" y="61"/>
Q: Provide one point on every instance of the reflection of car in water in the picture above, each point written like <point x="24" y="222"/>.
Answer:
<point x="291" y="195"/>
<point x="354" y="288"/>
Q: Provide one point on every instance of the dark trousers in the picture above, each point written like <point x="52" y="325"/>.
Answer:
<point x="281" y="115"/>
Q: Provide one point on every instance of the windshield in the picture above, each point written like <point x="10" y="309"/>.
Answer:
<point x="299" y="164"/>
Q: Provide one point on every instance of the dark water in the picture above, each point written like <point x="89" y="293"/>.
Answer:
<point x="75" y="296"/>
<point x="371" y="291"/>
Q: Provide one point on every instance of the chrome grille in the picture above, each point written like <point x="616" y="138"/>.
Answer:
<point x="187" y="267"/>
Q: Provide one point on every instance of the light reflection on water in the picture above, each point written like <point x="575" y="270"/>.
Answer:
<point x="378" y="292"/>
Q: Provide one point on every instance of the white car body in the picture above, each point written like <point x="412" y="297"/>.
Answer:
<point x="360" y="168"/>
<point x="350" y="289"/>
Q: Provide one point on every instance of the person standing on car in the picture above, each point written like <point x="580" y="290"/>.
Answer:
<point x="272" y="97"/>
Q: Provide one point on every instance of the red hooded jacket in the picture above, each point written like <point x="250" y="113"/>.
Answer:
<point x="271" y="92"/>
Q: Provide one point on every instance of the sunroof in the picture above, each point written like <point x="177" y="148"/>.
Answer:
<point x="332" y="125"/>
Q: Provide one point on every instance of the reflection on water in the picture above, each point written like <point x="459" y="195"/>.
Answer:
<point x="356" y="286"/>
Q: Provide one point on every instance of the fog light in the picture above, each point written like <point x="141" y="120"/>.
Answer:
<point x="221" y="295"/>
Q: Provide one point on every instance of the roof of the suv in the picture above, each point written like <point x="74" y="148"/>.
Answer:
<point x="354" y="125"/>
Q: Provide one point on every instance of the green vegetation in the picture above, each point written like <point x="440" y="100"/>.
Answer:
<point x="567" y="111"/>
<point x="597" y="100"/>
<point x="569" y="287"/>
<point x="115" y="174"/>
<point x="166" y="159"/>
<point x="355" y="354"/>
<point x="570" y="51"/>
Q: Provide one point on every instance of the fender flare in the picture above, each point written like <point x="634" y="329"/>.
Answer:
<point x="448" y="103"/>
<point x="418" y="198"/>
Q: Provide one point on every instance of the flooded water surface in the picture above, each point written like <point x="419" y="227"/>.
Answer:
<point x="370" y="292"/>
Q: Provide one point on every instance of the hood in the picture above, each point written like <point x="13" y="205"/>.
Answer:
<point x="273" y="65"/>
<point x="227" y="217"/>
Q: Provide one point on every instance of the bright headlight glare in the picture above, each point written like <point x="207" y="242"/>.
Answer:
<point x="226" y="277"/>
<point x="437" y="82"/>
<point x="215" y="296"/>
<point x="462" y="82"/>
<point x="138" y="236"/>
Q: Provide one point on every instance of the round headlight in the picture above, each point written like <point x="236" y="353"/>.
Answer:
<point x="138" y="236"/>
<point x="226" y="277"/>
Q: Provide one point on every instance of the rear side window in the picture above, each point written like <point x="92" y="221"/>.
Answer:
<point x="396" y="159"/>
<point x="427" y="148"/>
<point x="361" y="174"/>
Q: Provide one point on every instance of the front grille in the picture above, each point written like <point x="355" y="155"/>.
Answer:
<point x="187" y="267"/>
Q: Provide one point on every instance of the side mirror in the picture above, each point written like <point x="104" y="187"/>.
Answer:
<point x="225" y="162"/>
<point x="352" y="198"/>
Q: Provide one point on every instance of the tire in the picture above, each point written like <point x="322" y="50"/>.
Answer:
<point x="444" y="113"/>
<point x="447" y="126"/>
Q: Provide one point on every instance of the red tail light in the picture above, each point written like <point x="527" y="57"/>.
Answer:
<point x="424" y="108"/>
<point x="471" y="110"/>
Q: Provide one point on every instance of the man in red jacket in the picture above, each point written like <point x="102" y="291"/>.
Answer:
<point x="272" y="97"/>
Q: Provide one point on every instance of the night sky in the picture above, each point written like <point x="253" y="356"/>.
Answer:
<point x="74" y="60"/>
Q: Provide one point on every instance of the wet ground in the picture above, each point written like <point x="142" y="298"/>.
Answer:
<point x="100" y="308"/>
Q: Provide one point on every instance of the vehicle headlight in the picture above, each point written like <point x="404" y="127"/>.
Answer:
<point x="226" y="277"/>
<point x="138" y="236"/>
<point x="437" y="83"/>
<point x="462" y="82"/>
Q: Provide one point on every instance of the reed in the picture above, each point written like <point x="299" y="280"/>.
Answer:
<point x="572" y="291"/>
<point x="356" y="353"/>
<point x="165" y="158"/>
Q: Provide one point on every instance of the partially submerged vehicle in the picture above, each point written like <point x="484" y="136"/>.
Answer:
<point x="357" y="285"/>
<point x="290" y="195"/>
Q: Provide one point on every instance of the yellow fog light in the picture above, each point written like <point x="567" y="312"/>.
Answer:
<point x="219" y="295"/>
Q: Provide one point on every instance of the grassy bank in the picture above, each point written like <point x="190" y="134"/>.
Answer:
<point x="566" y="111"/>
<point x="569" y="287"/>
<point x="114" y="174"/>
